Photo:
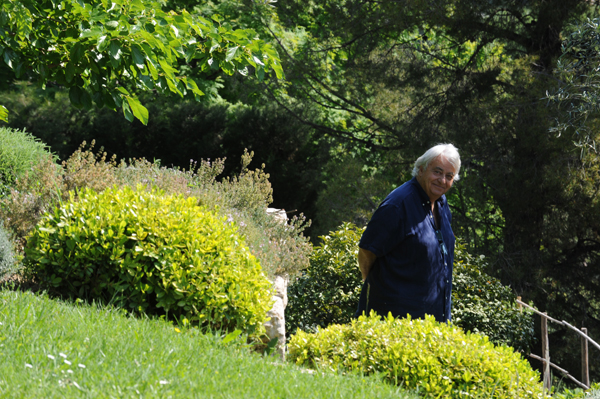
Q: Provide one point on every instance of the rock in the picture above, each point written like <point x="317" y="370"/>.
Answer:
<point x="275" y="327"/>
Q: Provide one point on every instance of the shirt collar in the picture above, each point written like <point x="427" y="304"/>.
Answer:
<point x="423" y="197"/>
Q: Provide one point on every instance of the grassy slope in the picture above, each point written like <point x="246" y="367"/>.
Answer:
<point x="53" y="349"/>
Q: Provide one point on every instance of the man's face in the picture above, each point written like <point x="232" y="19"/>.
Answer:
<point x="437" y="179"/>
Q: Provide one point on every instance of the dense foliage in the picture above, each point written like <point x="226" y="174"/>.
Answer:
<point x="578" y="96"/>
<point x="99" y="49"/>
<point x="327" y="293"/>
<point x="476" y="74"/>
<point x="438" y="359"/>
<point x="481" y="304"/>
<point x="242" y="198"/>
<point x="376" y="84"/>
<point x="152" y="253"/>
<point x="19" y="153"/>
<point x="205" y="130"/>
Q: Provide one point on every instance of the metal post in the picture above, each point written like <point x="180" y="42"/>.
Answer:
<point x="585" y="372"/>
<point x="546" y="353"/>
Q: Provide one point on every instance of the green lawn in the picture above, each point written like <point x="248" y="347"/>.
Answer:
<point x="50" y="348"/>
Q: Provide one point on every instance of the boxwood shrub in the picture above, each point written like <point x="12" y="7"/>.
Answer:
<point x="327" y="293"/>
<point x="438" y="359"/>
<point x="151" y="253"/>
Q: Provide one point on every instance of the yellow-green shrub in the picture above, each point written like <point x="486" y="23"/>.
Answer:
<point x="151" y="253"/>
<point x="441" y="360"/>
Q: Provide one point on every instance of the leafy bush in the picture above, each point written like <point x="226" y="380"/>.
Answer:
<point x="327" y="292"/>
<point x="32" y="195"/>
<point x="440" y="360"/>
<point x="578" y="393"/>
<point x="151" y="253"/>
<point x="482" y="304"/>
<point x="7" y="256"/>
<point x="243" y="199"/>
<point x="19" y="152"/>
<point x="204" y="130"/>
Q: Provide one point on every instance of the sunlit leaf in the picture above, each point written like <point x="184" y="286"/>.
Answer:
<point x="139" y="111"/>
<point x="3" y="114"/>
<point x="231" y="53"/>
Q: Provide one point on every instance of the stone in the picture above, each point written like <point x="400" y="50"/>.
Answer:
<point x="275" y="327"/>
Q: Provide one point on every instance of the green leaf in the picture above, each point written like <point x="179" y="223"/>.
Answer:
<point x="257" y="58"/>
<point x="231" y="336"/>
<point x="103" y="43"/>
<point x="152" y="69"/>
<point x="3" y="114"/>
<point x="117" y="100"/>
<point x="278" y="69"/>
<point x="191" y="84"/>
<point x="127" y="111"/>
<point x="111" y="25"/>
<point x="231" y="53"/>
<point x="86" y="99"/>
<point x="123" y="90"/>
<point x="75" y="93"/>
<point x="76" y="52"/>
<point x="173" y="86"/>
<point x="8" y="57"/>
<point x="91" y="33"/>
<point x="138" y="5"/>
<point x="139" y="111"/>
<point x="216" y="37"/>
<point x="69" y="72"/>
<point x="271" y="346"/>
<point x="115" y="53"/>
<point x="260" y="73"/>
<point x="168" y="69"/>
<point x="138" y="56"/>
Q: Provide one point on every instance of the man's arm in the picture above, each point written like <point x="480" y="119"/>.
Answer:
<point x="366" y="259"/>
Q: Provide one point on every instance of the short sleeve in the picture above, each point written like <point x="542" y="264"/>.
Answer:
<point x="384" y="231"/>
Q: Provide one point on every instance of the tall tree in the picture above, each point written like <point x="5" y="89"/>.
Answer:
<point x="396" y="77"/>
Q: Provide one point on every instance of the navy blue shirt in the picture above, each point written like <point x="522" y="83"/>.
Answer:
<point x="412" y="273"/>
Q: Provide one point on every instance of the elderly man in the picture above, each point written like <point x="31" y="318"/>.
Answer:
<point x="407" y="250"/>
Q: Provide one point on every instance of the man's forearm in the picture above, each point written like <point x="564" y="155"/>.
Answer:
<point x="366" y="259"/>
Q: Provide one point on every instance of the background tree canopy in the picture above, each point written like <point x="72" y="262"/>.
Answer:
<point x="368" y="87"/>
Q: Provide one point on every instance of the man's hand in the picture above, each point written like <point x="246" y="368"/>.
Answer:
<point x="366" y="259"/>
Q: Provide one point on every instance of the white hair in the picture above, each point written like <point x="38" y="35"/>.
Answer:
<point x="449" y="152"/>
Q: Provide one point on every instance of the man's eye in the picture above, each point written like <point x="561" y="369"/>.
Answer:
<point x="449" y="177"/>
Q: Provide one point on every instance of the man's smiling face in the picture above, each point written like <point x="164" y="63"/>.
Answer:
<point x="437" y="179"/>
